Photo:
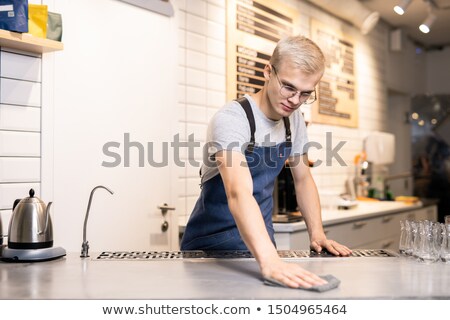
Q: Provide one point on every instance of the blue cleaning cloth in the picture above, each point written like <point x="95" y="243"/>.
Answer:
<point x="333" y="282"/>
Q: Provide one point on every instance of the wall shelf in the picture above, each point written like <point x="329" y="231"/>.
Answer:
<point x="27" y="42"/>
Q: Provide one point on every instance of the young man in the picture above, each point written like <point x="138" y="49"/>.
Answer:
<point x="250" y="140"/>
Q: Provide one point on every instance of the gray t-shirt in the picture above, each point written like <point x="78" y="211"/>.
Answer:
<point x="229" y="129"/>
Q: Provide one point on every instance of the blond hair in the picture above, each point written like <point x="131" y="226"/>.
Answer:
<point x="302" y="52"/>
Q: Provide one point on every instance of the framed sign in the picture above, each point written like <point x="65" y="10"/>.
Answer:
<point x="253" y="29"/>
<point x="337" y="101"/>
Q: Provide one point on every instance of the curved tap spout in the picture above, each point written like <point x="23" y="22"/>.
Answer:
<point x="85" y="244"/>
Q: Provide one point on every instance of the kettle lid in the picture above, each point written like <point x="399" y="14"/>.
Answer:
<point x="31" y="198"/>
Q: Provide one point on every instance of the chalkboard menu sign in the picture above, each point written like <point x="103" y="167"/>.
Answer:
<point x="254" y="27"/>
<point x="337" y="100"/>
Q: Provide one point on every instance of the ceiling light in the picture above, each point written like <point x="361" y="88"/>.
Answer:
<point x="425" y="27"/>
<point x="401" y="8"/>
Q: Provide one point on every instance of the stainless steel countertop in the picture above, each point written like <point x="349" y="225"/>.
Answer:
<point x="74" y="278"/>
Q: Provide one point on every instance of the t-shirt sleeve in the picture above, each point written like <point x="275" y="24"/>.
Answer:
<point x="300" y="136"/>
<point x="228" y="130"/>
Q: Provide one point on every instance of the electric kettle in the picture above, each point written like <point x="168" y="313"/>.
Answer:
<point x="30" y="226"/>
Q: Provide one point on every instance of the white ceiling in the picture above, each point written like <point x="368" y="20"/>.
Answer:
<point x="438" y="37"/>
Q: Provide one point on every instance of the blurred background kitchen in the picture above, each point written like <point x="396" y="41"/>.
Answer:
<point x="135" y="77"/>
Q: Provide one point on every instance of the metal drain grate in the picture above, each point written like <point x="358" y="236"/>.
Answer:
<point x="177" y="255"/>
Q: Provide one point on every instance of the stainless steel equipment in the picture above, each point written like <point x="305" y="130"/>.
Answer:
<point x="30" y="235"/>
<point x="30" y="226"/>
<point x="85" y="244"/>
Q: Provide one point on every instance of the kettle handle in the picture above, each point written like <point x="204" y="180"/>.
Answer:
<point x="16" y="202"/>
<point x="47" y="214"/>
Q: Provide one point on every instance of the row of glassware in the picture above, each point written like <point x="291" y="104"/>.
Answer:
<point x="425" y="240"/>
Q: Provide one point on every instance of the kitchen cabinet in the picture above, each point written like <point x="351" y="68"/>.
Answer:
<point x="377" y="230"/>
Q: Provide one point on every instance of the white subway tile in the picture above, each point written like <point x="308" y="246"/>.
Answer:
<point x="195" y="77"/>
<point x="192" y="153"/>
<point x="20" y="169"/>
<point x="193" y="186"/>
<point x="181" y="57"/>
<point x="182" y="172"/>
<point x="20" y="92"/>
<point x="216" y="65"/>
<point x="181" y="107"/>
<point x="216" y="14"/>
<point x="181" y="38"/>
<point x="196" y="24"/>
<point x="210" y="113"/>
<point x="197" y="7"/>
<point x="216" y="82"/>
<point x="9" y="192"/>
<point x="196" y="114"/>
<point x="182" y="219"/>
<point x="216" y="31"/>
<point x="20" y="144"/>
<point x="216" y="48"/>
<point x="192" y="171"/>
<point x="199" y="131"/>
<point x="20" y="118"/>
<point x="216" y="99"/>
<point x="219" y="3"/>
<point x="182" y="19"/>
<point x="195" y="42"/>
<point x="181" y="209"/>
<point x="181" y="186"/>
<point x="182" y="130"/>
<point x="180" y="4"/>
<point x="195" y="60"/>
<point x="195" y="96"/>
<point x="190" y="202"/>
<point x="20" y="67"/>
<point x="182" y="93"/>
<point x="181" y="75"/>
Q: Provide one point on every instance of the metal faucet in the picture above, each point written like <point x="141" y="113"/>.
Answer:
<point x="85" y="244"/>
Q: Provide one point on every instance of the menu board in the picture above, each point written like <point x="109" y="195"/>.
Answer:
<point x="337" y="100"/>
<point x="253" y="30"/>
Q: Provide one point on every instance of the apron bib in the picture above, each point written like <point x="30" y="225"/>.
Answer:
<point x="211" y="225"/>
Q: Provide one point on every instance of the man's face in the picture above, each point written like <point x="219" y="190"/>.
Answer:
<point x="294" y="82"/>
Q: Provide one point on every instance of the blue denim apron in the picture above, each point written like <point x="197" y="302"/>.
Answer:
<point x="211" y="225"/>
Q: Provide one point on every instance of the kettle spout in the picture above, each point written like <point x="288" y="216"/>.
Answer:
<point x="47" y="217"/>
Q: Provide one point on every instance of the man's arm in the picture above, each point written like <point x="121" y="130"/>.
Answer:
<point x="309" y="205"/>
<point x="247" y="214"/>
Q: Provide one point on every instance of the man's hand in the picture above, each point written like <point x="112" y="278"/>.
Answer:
<point x="290" y="274"/>
<point x="331" y="246"/>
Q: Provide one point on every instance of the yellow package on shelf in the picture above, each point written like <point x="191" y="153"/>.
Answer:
<point x="37" y="20"/>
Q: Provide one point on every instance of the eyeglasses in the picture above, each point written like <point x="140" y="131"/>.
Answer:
<point x="289" y="92"/>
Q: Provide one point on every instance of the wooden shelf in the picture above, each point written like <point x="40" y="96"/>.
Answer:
<point x="27" y="42"/>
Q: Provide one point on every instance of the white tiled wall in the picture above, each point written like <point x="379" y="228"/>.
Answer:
<point x="20" y="126"/>
<point x="202" y="85"/>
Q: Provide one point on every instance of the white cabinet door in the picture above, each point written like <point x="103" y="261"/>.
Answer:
<point x="115" y="100"/>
